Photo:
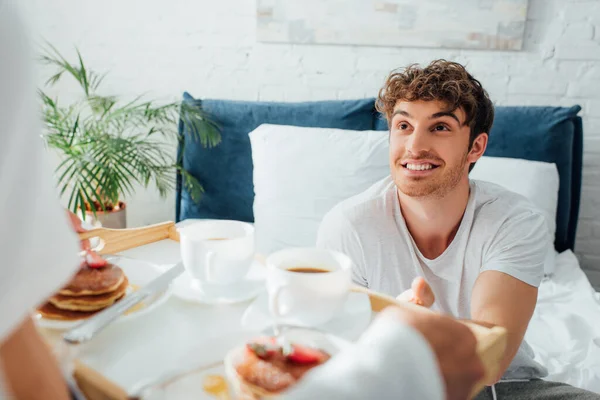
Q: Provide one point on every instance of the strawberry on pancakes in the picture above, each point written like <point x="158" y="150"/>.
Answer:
<point x="265" y="368"/>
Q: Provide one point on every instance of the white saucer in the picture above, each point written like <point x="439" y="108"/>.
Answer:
<point x="238" y="292"/>
<point x="350" y="322"/>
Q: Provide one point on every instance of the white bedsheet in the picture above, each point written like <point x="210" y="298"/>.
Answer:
<point x="565" y="329"/>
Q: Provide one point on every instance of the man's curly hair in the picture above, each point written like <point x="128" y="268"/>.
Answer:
<point x="445" y="81"/>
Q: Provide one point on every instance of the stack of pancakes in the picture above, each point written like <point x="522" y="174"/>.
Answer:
<point x="91" y="290"/>
<point x="267" y="372"/>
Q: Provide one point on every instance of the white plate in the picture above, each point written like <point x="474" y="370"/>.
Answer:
<point x="139" y="274"/>
<point x="350" y="322"/>
<point x="209" y="358"/>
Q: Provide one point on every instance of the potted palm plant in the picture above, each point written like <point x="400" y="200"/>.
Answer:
<point x="107" y="146"/>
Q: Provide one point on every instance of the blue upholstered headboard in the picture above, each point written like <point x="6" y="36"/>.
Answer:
<point x="552" y="135"/>
<point x="549" y="134"/>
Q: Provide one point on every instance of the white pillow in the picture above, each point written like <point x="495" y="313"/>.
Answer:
<point x="537" y="181"/>
<point x="301" y="173"/>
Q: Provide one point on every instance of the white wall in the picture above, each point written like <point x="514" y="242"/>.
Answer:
<point x="208" y="47"/>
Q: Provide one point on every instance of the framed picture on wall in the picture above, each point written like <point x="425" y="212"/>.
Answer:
<point x="468" y="24"/>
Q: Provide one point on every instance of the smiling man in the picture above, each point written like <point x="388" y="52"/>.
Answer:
<point x="463" y="247"/>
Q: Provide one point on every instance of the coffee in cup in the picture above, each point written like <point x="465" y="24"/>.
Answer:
<point x="307" y="270"/>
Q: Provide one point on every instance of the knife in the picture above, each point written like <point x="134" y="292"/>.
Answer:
<point x="90" y="327"/>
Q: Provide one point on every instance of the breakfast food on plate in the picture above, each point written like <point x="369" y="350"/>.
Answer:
<point x="262" y="369"/>
<point x="98" y="284"/>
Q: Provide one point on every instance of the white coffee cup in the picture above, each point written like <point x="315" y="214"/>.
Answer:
<point x="217" y="252"/>
<point x="307" y="299"/>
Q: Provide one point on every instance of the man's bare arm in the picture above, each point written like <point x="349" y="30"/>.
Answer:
<point x="500" y="299"/>
<point x="30" y="369"/>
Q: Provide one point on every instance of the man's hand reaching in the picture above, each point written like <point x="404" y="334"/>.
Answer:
<point x="420" y="293"/>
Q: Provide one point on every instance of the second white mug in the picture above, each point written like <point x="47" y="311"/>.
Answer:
<point x="217" y="252"/>
<point x="307" y="286"/>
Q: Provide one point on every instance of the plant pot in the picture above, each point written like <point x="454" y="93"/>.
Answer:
<point x="115" y="219"/>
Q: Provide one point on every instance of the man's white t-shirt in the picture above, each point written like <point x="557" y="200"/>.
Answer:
<point x="500" y="230"/>
<point x="37" y="246"/>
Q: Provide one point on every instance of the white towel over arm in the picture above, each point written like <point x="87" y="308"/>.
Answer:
<point x="390" y="361"/>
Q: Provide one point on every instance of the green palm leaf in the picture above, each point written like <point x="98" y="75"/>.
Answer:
<point x="109" y="146"/>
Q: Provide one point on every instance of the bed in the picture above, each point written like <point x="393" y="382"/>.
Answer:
<point x="565" y="329"/>
<point x="284" y="165"/>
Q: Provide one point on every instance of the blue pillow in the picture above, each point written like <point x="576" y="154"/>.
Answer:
<point x="380" y="123"/>
<point x="549" y="134"/>
<point x="225" y="171"/>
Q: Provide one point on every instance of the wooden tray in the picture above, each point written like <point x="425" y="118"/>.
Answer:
<point x="490" y="346"/>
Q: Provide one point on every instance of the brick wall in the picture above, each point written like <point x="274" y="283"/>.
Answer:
<point x="208" y="48"/>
